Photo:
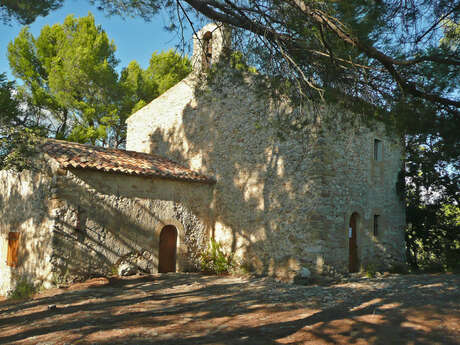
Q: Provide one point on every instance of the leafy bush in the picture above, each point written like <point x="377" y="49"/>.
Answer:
<point x="114" y="270"/>
<point x="24" y="290"/>
<point x="398" y="268"/>
<point x="371" y="270"/>
<point x="215" y="260"/>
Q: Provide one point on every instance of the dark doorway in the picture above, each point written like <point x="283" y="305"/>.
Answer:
<point x="167" y="257"/>
<point x="352" y="244"/>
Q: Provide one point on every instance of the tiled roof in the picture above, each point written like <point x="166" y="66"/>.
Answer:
<point x="80" y="156"/>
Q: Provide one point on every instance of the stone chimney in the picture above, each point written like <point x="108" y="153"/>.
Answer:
<point x="208" y="45"/>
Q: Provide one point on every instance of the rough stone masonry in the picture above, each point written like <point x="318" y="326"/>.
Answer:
<point x="289" y="179"/>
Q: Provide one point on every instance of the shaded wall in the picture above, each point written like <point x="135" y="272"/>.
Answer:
<point x="352" y="181"/>
<point x="288" y="179"/>
<point x="105" y="219"/>
<point x="25" y="201"/>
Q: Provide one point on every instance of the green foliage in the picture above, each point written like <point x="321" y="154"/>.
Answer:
<point x="69" y="74"/>
<point x="245" y="268"/>
<point x="17" y="148"/>
<point x="166" y="69"/>
<point x="451" y="38"/>
<point x="69" y="70"/>
<point x="238" y="61"/>
<point x="145" y="9"/>
<point x="370" y="270"/>
<point x="387" y="59"/>
<point x="215" y="260"/>
<point x="433" y="212"/>
<point x="398" y="268"/>
<point x="62" y="277"/>
<point x="9" y="104"/>
<point x="114" y="270"/>
<point x="140" y="86"/>
<point x="23" y="290"/>
<point x="19" y="129"/>
<point x="25" y="11"/>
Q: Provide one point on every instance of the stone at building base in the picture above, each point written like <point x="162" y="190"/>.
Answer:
<point x="126" y="269"/>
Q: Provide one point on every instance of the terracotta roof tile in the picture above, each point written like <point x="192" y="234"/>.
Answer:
<point x="82" y="156"/>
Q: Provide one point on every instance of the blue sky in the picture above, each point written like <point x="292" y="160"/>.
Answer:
<point x="135" y="39"/>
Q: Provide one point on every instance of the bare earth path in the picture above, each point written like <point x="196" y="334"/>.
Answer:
<point x="195" y="309"/>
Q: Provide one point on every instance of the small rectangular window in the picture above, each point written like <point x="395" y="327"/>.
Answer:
<point x="378" y="150"/>
<point x="13" y="246"/>
<point x="376" y="224"/>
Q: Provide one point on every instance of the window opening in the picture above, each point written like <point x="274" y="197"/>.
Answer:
<point x="207" y="49"/>
<point x="376" y="224"/>
<point x="378" y="150"/>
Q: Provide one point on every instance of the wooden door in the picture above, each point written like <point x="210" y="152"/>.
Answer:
<point x="13" y="245"/>
<point x="167" y="257"/>
<point x="352" y="244"/>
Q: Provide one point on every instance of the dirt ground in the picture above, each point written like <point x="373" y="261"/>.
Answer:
<point x="176" y="309"/>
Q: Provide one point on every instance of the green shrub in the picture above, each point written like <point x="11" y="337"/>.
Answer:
<point x="114" y="270"/>
<point x="215" y="260"/>
<point x="371" y="270"/>
<point x="398" y="268"/>
<point x="62" y="276"/>
<point x="453" y="259"/>
<point x="24" y="290"/>
<point x="245" y="267"/>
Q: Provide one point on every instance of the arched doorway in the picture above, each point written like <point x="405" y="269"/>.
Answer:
<point x="167" y="252"/>
<point x="353" y="264"/>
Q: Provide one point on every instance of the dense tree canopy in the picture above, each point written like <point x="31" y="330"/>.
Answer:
<point x="20" y="126"/>
<point x="164" y="71"/>
<point x="69" y="71"/>
<point x="378" y="47"/>
<point x="26" y="11"/>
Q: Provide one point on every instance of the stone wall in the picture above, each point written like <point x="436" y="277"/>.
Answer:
<point x="24" y="208"/>
<point x="104" y="220"/>
<point x="75" y="224"/>
<point x="288" y="179"/>
<point x="352" y="181"/>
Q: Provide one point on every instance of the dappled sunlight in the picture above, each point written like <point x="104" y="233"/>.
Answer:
<point x="25" y="210"/>
<point x="262" y="207"/>
<point x="389" y="306"/>
<point x="171" y="309"/>
<point x="102" y="222"/>
<point x="415" y="326"/>
<point x="437" y="285"/>
<point x="370" y="319"/>
<point x="367" y="304"/>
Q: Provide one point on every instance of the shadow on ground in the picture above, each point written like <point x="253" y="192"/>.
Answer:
<point x="196" y="309"/>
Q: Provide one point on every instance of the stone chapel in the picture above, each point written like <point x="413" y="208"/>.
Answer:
<point x="214" y="157"/>
<point x="322" y="197"/>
